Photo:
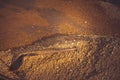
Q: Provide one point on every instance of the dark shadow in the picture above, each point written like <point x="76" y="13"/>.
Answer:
<point x="19" y="61"/>
<point x="115" y="2"/>
<point x="26" y="4"/>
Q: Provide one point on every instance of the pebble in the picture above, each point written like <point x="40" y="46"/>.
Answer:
<point x="74" y="40"/>
<point x="72" y="43"/>
<point x="85" y="22"/>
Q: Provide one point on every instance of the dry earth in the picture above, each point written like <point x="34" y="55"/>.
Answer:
<point x="59" y="40"/>
<point x="66" y="57"/>
<point x="23" y="22"/>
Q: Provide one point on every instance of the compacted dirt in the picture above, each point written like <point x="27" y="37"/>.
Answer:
<point x="23" y="22"/>
<point x="59" y="40"/>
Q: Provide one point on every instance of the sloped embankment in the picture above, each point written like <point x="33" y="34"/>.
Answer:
<point x="64" y="57"/>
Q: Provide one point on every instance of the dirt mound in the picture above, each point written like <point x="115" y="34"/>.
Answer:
<point x="70" y="57"/>
<point x="59" y="40"/>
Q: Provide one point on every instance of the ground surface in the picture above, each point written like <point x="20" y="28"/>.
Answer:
<point x="66" y="58"/>
<point x="22" y="22"/>
<point x="59" y="40"/>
